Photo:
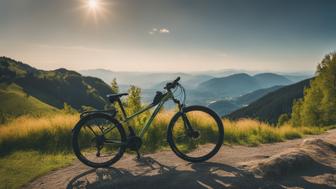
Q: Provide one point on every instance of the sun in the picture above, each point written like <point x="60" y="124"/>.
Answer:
<point x="96" y="9"/>
<point x="92" y="4"/>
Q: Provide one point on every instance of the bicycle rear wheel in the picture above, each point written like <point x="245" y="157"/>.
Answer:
<point x="195" y="135"/>
<point x="98" y="140"/>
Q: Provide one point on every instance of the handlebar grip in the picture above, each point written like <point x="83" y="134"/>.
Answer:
<point x="173" y="84"/>
<point x="177" y="79"/>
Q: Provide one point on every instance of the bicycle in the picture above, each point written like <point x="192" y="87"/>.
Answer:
<point x="99" y="139"/>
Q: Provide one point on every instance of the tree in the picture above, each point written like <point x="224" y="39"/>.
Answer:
<point x="318" y="106"/>
<point x="115" y="90"/>
<point x="134" y="99"/>
<point x="283" y="118"/>
<point x="296" y="113"/>
<point x="68" y="109"/>
<point x="114" y="86"/>
<point x="133" y="105"/>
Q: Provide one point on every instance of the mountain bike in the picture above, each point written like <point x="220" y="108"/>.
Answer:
<point x="195" y="133"/>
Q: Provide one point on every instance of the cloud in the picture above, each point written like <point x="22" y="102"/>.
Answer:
<point x="164" y="30"/>
<point x="159" y="31"/>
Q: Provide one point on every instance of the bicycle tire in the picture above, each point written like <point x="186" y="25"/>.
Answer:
<point x="213" y="151"/>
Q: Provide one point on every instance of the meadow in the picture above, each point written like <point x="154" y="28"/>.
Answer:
<point x="31" y="146"/>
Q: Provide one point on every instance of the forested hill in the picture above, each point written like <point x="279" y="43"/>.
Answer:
<point x="271" y="106"/>
<point x="53" y="88"/>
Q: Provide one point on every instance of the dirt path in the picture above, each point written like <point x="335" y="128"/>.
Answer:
<point x="165" y="170"/>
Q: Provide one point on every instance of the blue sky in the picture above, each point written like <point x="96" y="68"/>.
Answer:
<point x="169" y="35"/>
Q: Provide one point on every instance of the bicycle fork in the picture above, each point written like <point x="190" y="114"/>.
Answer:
<point x="187" y="125"/>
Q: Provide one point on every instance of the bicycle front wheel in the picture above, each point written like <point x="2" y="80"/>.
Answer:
<point x="196" y="134"/>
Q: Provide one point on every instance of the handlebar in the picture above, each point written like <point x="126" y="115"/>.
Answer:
<point x="173" y="84"/>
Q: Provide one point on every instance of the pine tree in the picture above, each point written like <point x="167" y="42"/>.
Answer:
<point x="114" y="86"/>
<point x="115" y="90"/>
<point x="318" y="107"/>
<point x="296" y="113"/>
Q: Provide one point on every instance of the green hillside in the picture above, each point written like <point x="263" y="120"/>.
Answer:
<point x="269" y="107"/>
<point x="247" y="99"/>
<point x="52" y="88"/>
<point x="15" y="102"/>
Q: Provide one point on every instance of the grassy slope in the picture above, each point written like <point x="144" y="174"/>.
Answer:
<point x="21" y="167"/>
<point x="15" y="100"/>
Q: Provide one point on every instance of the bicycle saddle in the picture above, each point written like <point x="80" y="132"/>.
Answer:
<point x="114" y="97"/>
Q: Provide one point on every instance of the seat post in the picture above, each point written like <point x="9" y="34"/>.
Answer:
<point x="122" y="108"/>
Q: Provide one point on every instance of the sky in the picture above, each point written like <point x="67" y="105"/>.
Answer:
<point x="169" y="35"/>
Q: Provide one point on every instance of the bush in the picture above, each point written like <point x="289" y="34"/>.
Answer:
<point x="283" y="118"/>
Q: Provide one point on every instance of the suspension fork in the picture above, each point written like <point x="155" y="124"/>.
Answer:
<point x="187" y="124"/>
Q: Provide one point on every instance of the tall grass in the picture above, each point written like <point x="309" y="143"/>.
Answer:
<point x="253" y="132"/>
<point x="53" y="133"/>
<point x="44" y="134"/>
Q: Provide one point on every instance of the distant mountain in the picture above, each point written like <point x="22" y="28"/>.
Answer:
<point x="223" y="107"/>
<point x="270" y="79"/>
<point x="240" y="84"/>
<point x="298" y="76"/>
<point x="248" y="98"/>
<point x="52" y="88"/>
<point x="146" y="80"/>
<point x="269" y="107"/>
<point x="233" y="85"/>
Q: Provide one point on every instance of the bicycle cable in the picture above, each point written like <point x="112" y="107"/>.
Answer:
<point x="180" y="93"/>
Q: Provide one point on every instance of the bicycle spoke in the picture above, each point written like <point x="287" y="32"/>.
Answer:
<point x="181" y="136"/>
<point x="108" y="130"/>
<point x="91" y="130"/>
<point x="111" y="141"/>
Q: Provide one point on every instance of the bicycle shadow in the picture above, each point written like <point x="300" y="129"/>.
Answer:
<point x="200" y="175"/>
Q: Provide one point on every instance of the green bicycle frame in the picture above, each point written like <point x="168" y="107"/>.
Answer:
<point x="165" y="98"/>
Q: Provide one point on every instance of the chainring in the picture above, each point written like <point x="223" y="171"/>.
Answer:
<point x="134" y="143"/>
